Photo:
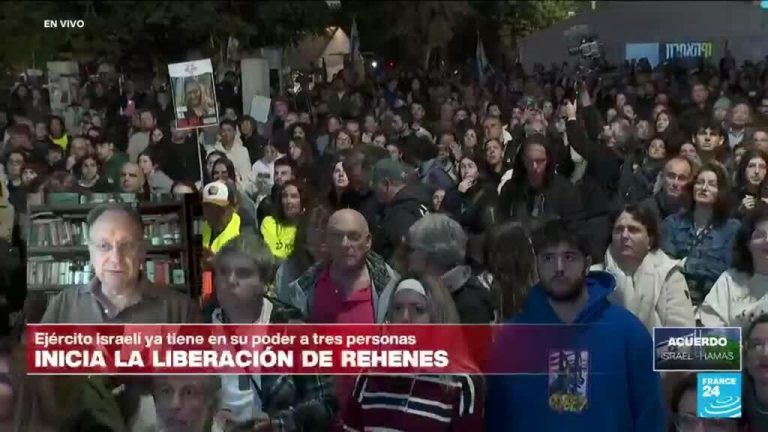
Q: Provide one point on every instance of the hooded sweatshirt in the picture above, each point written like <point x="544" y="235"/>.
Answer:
<point x="595" y="374"/>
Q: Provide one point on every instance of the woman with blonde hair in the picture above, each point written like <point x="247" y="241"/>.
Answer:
<point x="432" y="402"/>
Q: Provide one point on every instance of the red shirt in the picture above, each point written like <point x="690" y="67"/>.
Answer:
<point x="330" y="306"/>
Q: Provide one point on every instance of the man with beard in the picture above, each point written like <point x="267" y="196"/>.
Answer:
<point x="673" y="196"/>
<point x="607" y="349"/>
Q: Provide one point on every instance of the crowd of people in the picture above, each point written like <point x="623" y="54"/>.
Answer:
<point x="624" y="198"/>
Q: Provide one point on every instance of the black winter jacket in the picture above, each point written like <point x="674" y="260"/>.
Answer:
<point x="408" y="206"/>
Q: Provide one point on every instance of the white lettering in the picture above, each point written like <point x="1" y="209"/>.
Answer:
<point x="133" y="360"/>
<point x="69" y="359"/>
<point x="698" y="341"/>
<point x="317" y="358"/>
<point x="399" y="359"/>
<point x="224" y="359"/>
<point x="719" y="381"/>
<point x="50" y="24"/>
<point x="72" y="23"/>
<point x="46" y="340"/>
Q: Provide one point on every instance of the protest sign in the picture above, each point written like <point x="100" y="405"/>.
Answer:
<point x="63" y="85"/>
<point x="194" y="95"/>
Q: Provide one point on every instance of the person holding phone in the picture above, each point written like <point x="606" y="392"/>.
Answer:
<point x="476" y="194"/>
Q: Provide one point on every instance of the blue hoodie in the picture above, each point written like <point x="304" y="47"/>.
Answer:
<point x="612" y="386"/>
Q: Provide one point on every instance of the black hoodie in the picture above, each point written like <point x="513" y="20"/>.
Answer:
<point x="408" y="206"/>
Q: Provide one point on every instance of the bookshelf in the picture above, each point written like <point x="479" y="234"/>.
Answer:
<point x="57" y="248"/>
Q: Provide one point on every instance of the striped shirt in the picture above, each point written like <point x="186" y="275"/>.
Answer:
<point x="416" y="403"/>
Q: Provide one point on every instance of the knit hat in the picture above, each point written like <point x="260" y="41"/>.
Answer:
<point x="723" y="103"/>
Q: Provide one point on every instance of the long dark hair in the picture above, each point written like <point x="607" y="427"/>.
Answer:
<point x="742" y="183"/>
<point x="510" y="259"/>
<point x="306" y="159"/>
<point x="520" y="172"/>
<point x="303" y="194"/>
<point x="721" y="211"/>
<point x="314" y="218"/>
<point x="230" y="168"/>
<point x="206" y="174"/>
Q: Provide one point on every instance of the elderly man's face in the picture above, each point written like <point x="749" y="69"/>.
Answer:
<point x="348" y="239"/>
<point x="131" y="178"/>
<point x="183" y="403"/>
<point x="116" y="247"/>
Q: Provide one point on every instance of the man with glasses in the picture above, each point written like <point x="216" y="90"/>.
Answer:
<point x="119" y="292"/>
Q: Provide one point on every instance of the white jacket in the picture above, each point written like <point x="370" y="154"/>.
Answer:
<point x="241" y="159"/>
<point x="656" y="293"/>
<point x="735" y="300"/>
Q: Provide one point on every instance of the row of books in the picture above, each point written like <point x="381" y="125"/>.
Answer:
<point x="75" y="198"/>
<point x="158" y="231"/>
<point x="42" y="272"/>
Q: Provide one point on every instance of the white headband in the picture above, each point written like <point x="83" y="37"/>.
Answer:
<point x="411" y="284"/>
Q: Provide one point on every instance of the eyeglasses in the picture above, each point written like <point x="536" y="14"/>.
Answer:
<point x="691" y="423"/>
<point x="105" y="247"/>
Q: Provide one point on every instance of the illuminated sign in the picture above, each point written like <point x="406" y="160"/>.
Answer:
<point x="687" y="50"/>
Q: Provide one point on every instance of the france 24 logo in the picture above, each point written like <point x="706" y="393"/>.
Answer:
<point x="718" y="395"/>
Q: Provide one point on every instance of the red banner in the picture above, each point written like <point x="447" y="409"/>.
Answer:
<point x="250" y="349"/>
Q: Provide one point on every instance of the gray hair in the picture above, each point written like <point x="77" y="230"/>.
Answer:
<point x="253" y="247"/>
<point x="441" y="238"/>
<point x="116" y="207"/>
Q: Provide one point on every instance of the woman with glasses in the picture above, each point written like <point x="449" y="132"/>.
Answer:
<point x="739" y="295"/>
<point x="684" y="418"/>
<point x="755" y="392"/>
<point x="702" y="238"/>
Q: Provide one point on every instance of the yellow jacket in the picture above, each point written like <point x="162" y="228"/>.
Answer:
<point x="231" y="231"/>
<point x="278" y="237"/>
<point x="62" y="142"/>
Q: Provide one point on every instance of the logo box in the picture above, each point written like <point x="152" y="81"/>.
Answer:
<point x="707" y="349"/>
<point x="718" y="395"/>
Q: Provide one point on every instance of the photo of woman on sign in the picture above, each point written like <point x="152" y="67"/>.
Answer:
<point x="193" y="94"/>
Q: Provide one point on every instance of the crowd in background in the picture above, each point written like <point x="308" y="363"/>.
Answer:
<point x="633" y="196"/>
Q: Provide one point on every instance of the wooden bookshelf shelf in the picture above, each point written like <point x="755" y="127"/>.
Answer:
<point x="56" y="288"/>
<point x="144" y="207"/>
<point x="73" y="250"/>
<point x="62" y="221"/>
